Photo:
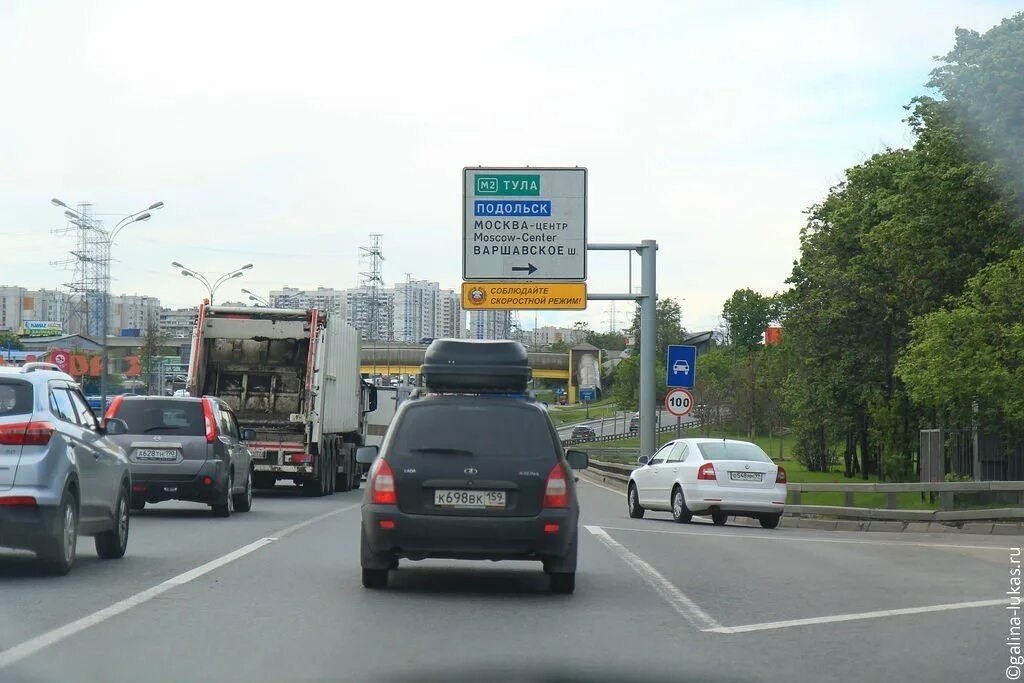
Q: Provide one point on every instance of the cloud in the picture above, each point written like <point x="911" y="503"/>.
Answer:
<point x="284" y="133"/>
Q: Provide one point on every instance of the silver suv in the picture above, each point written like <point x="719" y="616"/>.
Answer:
<point x="59" y="474"/>
<point x="185" y="449"/>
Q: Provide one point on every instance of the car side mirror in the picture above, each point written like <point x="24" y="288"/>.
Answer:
<point x="578" y="460"/>
<point x="365" y="455"/>
<point x="642" y="460"/>
<point x="248" y="435"/>
<point x="113" y="426"/>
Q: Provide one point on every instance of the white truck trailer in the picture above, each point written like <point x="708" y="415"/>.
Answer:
<point x="388" y="400"/>
<point x="293" y="377"/>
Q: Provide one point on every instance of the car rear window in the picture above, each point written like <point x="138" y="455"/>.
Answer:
<point x="15" y="398"/>
<point x="182" y="418"/>
<point x="732" y="451"/>
<point x="486" y="430"/>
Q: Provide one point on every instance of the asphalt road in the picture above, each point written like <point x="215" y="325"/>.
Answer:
<point x="275" y="595"/>
<point x="620" y="424"/>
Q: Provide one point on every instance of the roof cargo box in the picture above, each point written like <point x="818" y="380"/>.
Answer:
<point x="468" y="366"/>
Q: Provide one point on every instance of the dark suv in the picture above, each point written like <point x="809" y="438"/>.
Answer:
<point x="583" y="433"/>
<point x="185" y="449"/>
<point x="471" y="476"/>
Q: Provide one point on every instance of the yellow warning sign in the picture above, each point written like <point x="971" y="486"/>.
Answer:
<point x="528" y="296"/>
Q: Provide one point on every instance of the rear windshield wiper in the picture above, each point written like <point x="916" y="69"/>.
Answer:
<point x="147" y="430"/>
<point x="450" y="451"/>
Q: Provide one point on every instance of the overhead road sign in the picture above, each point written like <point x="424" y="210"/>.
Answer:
<point x="679" y="402"/>
<point x="681" y="366"/>
<point x="524" y="224"/>
<point x="524" y="296"/>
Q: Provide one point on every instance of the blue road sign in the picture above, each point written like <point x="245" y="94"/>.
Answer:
<point x="681" y="366"/>
<point x="588" y="394"/>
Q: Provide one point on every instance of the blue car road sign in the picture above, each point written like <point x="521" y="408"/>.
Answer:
<point x="681" y="366"/>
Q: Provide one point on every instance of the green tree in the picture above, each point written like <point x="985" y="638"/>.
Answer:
<point x="668" y="326"/>
<point x="713" y="386"/>
<point x="9" y="340"/>
<point x="151" y="353"/>
<point x="746" y="314"/>
<point x="971" y="354"/>
<point x="609" y="341"/>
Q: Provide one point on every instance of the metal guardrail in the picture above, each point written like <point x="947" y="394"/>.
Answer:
<point x="626" y="435"/>
<point x="618" y="474"/>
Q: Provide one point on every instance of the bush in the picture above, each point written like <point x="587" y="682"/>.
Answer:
<point x="812" y="450"/>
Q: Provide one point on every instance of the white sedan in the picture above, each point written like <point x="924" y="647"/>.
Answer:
<point x="719" y="477"/>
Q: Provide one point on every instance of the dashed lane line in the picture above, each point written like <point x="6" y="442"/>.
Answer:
<point x="781" y="538"/>
<point x="679" y="601"/>
<point x="26" y="648"/>
<point x="789" y="623"/>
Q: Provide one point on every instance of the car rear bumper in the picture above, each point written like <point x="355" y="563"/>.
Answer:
<point x="290" y="470"/>
<point x="24" y="526"/>
<point x="155" y="483"/>
<point x="702" y="498"/>
<point x="470" y="538"/>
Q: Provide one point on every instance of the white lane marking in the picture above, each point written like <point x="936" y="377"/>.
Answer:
<point x="602" y="486"/>
<point x="779" y="538"/>
<point x="772" y="625"/>
<point x="22" y="650"/>
<point x="686" y="607"/>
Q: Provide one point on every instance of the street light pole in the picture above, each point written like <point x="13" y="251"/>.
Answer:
<point x="211" y="287"/>
<point x="108" y="243"/>
<point x="253" y="296"/>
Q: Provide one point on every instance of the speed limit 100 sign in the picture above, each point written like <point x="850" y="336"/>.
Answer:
<point x="679" y="402"/>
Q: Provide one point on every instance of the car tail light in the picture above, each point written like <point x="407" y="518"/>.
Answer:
<point x="707" y="472"/>
<point x="382" y="484"/>
<point x="115" y="405"/>
<point x="780" y="478"/>
<point x="299" y="458"/>
<point x="13" y="501"/>
<point x="211" y="422"/>
<point x="26" y="434"/>
<point x="556" y="490"/>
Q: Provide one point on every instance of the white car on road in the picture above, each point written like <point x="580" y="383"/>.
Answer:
<point x="719" y="477"/>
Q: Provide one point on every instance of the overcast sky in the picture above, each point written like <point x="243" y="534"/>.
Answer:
<point x="282" y="133"/>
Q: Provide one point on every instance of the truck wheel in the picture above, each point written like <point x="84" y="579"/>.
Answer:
<point x="313" y="487"/>
<point x="344" y="479"/>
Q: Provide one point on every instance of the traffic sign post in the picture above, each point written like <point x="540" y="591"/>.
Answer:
<point x="681" y="366"/>
<point x="524" y="224"/>
<point x="679" y="402"/>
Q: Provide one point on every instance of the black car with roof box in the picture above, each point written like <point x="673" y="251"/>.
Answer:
<point x="472" y="470"/>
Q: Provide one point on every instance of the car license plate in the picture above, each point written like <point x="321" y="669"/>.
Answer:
<point x="156" y="454"/>
<point x="746" y="476"/>
<point x="471" y="500"/>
